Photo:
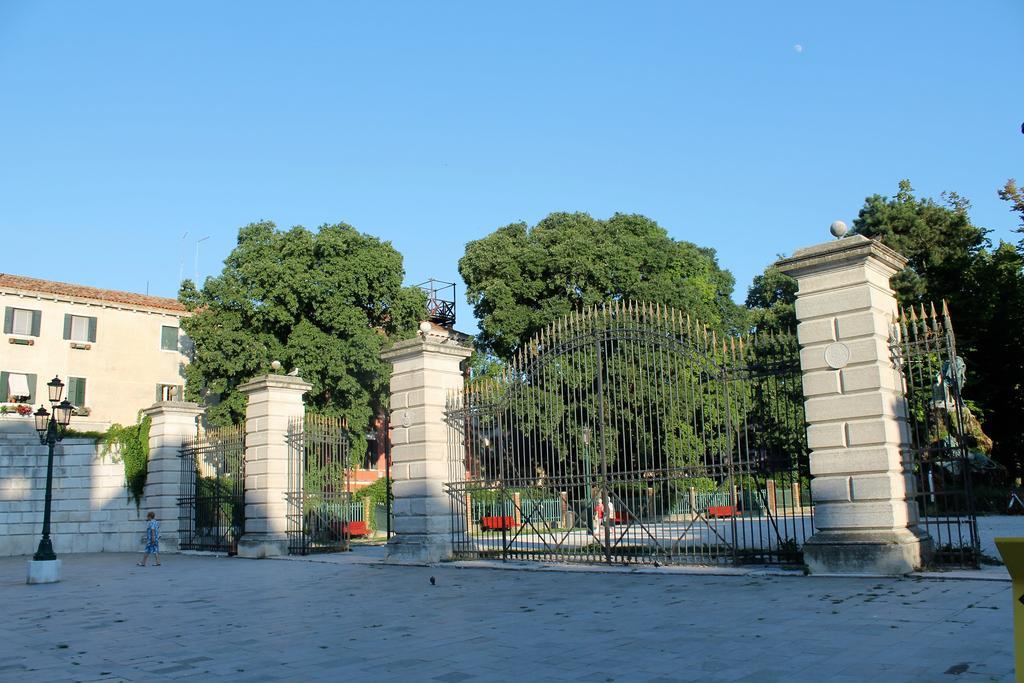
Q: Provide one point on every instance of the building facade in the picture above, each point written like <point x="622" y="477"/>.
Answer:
<point x="116" y="352"/>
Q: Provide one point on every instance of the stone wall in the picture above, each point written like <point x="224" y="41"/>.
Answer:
<point x="92" y="509"/>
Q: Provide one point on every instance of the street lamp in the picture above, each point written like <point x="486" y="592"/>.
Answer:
<point x="51" y="429"/>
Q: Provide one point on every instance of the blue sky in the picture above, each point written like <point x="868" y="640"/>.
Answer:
<point x="746" y="127"/>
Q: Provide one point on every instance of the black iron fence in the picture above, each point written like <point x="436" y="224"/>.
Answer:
<point x="629" y="433"/>
<point x="939" y="458"/>
<point x="211" y="505"/>
<point x="322" y="514"/>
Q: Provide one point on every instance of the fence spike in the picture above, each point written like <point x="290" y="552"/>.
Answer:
<point x="913" y="315"/>
<point x="934" y="315"/>
<point x="945" y="310"/>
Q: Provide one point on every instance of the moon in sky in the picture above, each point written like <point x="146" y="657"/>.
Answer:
<point x="798" y="48"/>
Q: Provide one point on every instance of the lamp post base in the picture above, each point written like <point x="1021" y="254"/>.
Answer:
<point x="43" y="571"/>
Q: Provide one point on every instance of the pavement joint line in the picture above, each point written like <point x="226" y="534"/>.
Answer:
<point x="686" y="570"/>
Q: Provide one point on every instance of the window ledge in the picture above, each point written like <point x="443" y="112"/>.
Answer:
<point x="23" y="342"/>
<point x="81" y="346"/>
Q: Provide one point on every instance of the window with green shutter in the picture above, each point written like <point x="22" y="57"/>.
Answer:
<point x="22" y="321"/>
<point x="170" y="392"/>
<point x="79" y="328"/>
<point x="169" y="338"/>
<point x="76" y="391"/>
<point x="18" y="387"/>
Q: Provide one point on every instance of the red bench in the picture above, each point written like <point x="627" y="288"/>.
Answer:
<point x="621" y="517"/>
<point x="355" y="529"/>
<point x="496" y="522"/>
<point x="721" y="511"/>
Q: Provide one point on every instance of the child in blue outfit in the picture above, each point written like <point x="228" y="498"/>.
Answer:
<point x="152" y="540"/>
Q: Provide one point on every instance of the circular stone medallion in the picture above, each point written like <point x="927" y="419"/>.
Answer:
<point x="837" y="355"/>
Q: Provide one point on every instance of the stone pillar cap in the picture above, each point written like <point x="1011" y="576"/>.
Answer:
<point x="275" y="382"/>
<point x="848" y="250"/>
<point x="451" y="344"/>
<point x="173" y="407"/>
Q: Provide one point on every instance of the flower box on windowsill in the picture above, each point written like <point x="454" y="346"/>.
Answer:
<point x="80" y="346"/>
<point x="15" y="409"/>
<point x="23" y="342"/>
<point x="81" y="411"/>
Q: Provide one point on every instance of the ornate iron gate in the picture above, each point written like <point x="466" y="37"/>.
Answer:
<point x="322" y="515"/>
<point x="211" y="507"/>
<point x="629" y="433"/>
<point x="924" y="348"/>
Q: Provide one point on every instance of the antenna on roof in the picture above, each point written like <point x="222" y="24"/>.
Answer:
<point x="181" y="265"/>
<point x="197" y="257"/>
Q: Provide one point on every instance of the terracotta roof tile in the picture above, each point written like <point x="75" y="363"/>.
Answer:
<point x="32" y="284"/>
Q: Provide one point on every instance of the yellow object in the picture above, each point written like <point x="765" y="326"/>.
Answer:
<point x="1012" y="550"/>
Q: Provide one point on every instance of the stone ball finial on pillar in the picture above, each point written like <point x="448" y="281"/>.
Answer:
<point x="838" y="229"/>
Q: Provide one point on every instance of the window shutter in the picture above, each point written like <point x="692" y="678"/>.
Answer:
<point x="92" y="331"/>
<point x="72" y="389"/>
<point x="159" y="393"/>
<point x="32" y="379"/>
<point x="79" y="399"/>
<point x="8" y="321"/>
<point x="36" y="315"/>
<point x="5" y="389"/>
<point x="67" y="326"/>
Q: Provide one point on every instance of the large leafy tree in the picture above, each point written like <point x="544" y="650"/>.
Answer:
<point x="951" y="259"/>
<point x="520" y="279"/>
<point x="324" y="302"/>
<point x="771" y="300"/>
<point x="939" y="240"/>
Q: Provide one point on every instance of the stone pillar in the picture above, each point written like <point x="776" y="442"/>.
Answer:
<point x="855" y="409"/>
<point x="273" y="401"/>
<point x="424" y="370"/>
<point x="172" y="423"/>
<point x="770" y="495"/>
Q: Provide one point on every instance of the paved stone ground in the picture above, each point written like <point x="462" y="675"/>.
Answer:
<point x="350" y="618"/>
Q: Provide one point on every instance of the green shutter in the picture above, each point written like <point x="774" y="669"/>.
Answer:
<point x="36" y="316"/>
<point x="92" y="330"/>
<point x="76" y="391"/>
<point x="159" y="393"/>
<point x="67" y="326"/>
<point x="32" y="382"/>
<point x="5" y="391"/>
<point x="8" y="319"/>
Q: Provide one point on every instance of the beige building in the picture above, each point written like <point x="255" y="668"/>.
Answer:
<point x="116" y="352"/>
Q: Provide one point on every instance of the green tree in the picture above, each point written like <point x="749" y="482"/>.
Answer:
<point x="771" y="300"/>
<point x="1015" y="196"/>
<point x="520" y="279"/>
<point x="951" y="259"/>
<point x="939" y="240"/>
<point x="323" y="302"/>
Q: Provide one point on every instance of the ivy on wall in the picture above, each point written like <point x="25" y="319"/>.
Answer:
<point x="132" y="444"/>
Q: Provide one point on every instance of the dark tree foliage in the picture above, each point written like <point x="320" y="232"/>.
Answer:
<point x="951" y="259"/>
<point x="520" y="279"/>
<point x="940" y="241"/>
<point x="324" y="302"/>
<point x="771" y="301"/>
<point x="1015" y="196"/>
